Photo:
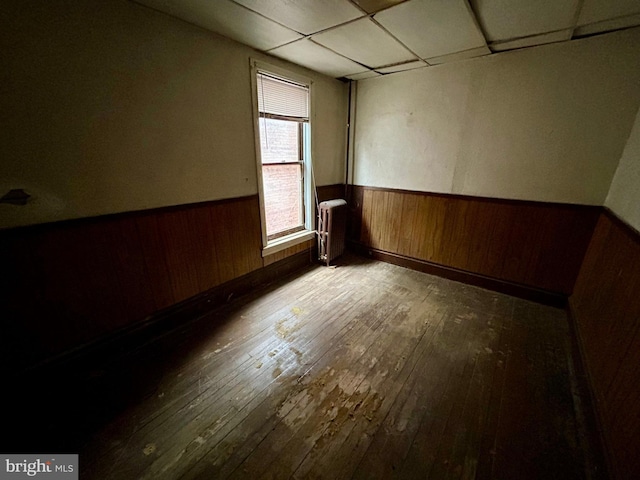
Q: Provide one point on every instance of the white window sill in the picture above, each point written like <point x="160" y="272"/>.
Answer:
<point x="280" y="244"/>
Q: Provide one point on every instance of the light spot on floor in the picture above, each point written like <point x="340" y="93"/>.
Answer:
<point x="149" y="449"/>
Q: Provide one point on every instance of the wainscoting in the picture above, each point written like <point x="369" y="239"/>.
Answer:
<point x="331" y="192"/>
<point x="71" y="282"/>
<point x="534" y="244"/>
<point x="67" y="284"/>
<point x="606" y="309"/>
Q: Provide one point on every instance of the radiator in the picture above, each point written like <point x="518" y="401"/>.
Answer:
<point x="332" y="226"/>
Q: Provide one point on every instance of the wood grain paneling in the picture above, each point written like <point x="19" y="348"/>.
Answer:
<point x="530" y="243"/>
<point x="69" y="283"/>
<point x="509" y="288"/>
<point x="607" y="311"/>
<point x="331" y="192"/>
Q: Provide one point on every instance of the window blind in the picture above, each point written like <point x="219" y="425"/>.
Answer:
<point x="279" y="98"/>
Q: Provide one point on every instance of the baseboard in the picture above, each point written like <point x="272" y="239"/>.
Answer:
<point x="601" y="455"/>
<point x="517" y="290"/>
<point x="168" y="319"/>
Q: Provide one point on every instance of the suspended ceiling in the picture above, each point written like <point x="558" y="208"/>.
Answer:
<point x="359" y="39"/>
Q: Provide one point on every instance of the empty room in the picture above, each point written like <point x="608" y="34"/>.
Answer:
<point x="320" y="239"/>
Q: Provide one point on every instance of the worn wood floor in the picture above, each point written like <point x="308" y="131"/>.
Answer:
<point x="363" y="371"/>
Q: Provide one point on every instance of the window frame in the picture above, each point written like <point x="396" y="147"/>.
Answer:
<point x="275" y="245"/>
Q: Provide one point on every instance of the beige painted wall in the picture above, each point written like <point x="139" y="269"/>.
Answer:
<point x="110" y="106"/>
<point x="546" y="123"/>
<point x="624" y="195"/>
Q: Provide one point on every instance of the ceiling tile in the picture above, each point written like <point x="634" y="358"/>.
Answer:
<point x="308" y="54"/>
<point x="607" y="25"/>
<point x="372" y="6"/>
<point x="510" y="19"/>
<point x="560" y="36"/>
<point x="365" y="42"/>
<point x="454" y="57"/>
<point x="228" y="19"/>
<point x="594" y="11"/>
<point x="433" y="27"/>
<point x="305" y="16"/>
<point x="363" y="75"/>
<point x="402" y="67"/>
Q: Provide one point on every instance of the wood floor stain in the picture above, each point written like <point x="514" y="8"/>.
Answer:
<point x="363" y="371"/>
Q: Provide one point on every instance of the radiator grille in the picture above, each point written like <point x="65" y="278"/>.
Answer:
<point x="331" y="229"/>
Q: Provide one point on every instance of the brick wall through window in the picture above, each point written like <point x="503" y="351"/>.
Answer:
<point x="282" y="197"/>
<point x="283" y="123"/>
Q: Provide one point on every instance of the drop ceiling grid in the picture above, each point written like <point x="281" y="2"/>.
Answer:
<point x="354" y="37"/>
<point x="228" y="19"/>
<point x="373" y="6"/>
<point x="511" y="19"/>
<point x="403" y="67"/>
<point x="541" y="39"/>
<point x="311" y="55"/>
<point x="595" y="11"/>
<point x="306" y="16"/>
<point x="433" y="29"/>
<point x="363" y="75"/>
<point x="364" y="42"/>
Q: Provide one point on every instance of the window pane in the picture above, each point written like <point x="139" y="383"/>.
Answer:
<point x="283" y="197"/>
<point x="279" y="140"/>
<point x="283" y="130"/>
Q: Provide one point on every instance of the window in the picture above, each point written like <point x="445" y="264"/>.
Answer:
<point x="282" y="108"/>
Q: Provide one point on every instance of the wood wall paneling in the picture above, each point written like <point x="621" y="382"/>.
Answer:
<point x="69" y="283"/>
<point x="607" y="312"/>
<point x="330" y="192"/>
<point x="240" y="236"/>
<point x="355" y="199"/>
<point x="530" y="243"/>
<point x="157" y="268"/>
<point x="180" y="249"/>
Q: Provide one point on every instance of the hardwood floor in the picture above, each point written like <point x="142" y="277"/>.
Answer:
<point x="367" y="370"/>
